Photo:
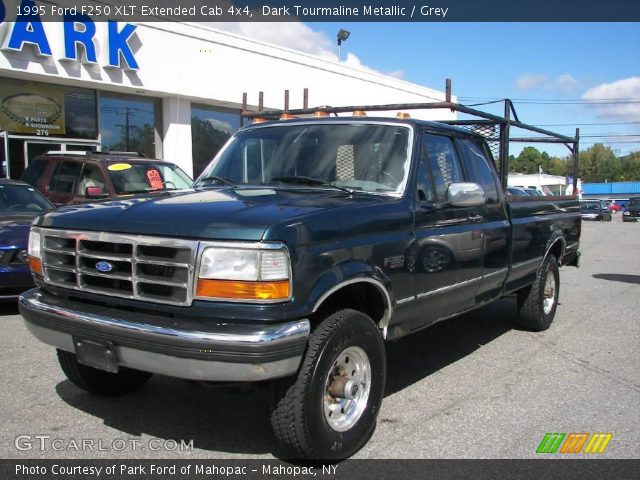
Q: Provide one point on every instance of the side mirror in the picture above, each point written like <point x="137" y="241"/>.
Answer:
<point x="465" y="195"/>
<point x="94" y="192"/>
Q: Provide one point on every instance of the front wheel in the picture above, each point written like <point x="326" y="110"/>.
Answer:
<point x="537" y="303"/>
<point x="329" y="410"/>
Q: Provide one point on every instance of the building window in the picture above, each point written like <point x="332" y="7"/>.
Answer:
<point x="129" y="124"/>
<point x="210" y="129"/>
<point x="47" y="110"/>
<point x="80" y="113"/>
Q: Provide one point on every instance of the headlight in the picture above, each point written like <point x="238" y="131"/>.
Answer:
<point x="244" y="274"/>
<point x="627" y="212"/>
<point x="34" y="250"/>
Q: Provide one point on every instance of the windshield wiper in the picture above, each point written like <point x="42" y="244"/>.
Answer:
<point x="215" y="178"/>
<point x="310" y="181"/>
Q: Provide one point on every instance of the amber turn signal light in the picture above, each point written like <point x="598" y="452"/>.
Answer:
<point x="35" y="264"/>
<point x="242" y="290"/>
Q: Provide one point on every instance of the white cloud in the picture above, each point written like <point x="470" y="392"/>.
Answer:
<point x="530" y="81"/>
<point x="399" y="74"/>
<point x="565" y="83"/>
<point x="562" y="84"/>
<point x="297" y="36"/>
<point x="293" y="35"/>
<point x="618" y="91"/>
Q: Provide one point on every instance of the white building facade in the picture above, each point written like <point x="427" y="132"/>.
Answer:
<point x="166" y="90"/>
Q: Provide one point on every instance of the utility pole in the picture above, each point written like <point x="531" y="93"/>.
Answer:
<point x="127" y="112"/>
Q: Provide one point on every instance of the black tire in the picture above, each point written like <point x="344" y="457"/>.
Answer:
<point x="99" y="382"/>
<point x="298" y="417"/>
<point x="531" y="300"/>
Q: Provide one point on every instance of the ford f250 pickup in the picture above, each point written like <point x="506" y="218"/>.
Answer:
<point x="305" y="245"/>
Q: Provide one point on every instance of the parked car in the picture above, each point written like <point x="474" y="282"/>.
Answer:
<point x="530" y="191"/>
<point x="516" y="191"/>
<point x="632" y="212"/>
<point x="595" y="210"/>
<point x="20" y="203"/>
<point x="78" y="177"/>
<point x="304" y="246"/>
<point x="623" y="202"/>
<point x="533" y="192"/>
<point x="614" y="207"/>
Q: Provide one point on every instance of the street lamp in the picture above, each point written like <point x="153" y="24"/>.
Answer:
<point x="342" y="37"/>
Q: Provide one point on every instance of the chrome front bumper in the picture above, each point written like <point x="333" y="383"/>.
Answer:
<point x="221" y="351"/>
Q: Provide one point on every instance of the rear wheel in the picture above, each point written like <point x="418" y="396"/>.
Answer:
<point x="329" y="410"/>
<point x="99" y="382"/>
<point x="537" y="303"/>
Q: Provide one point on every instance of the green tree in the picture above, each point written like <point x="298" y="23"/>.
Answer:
<point x="598" y="163"/>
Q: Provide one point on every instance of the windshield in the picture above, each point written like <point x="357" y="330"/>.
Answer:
<point x="634" y="202"/>
<point x="590" y="206"/>
<point x="147" y="176"/>
<point x="22" y="199"/>
<point x="363" y="157"/>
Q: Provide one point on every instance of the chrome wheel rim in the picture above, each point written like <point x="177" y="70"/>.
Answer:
<point x="549" y="298"/>
<point x="347" y="388"/>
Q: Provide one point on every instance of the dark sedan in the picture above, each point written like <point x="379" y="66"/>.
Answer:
<point x="632" y="212"/>
<point x="595" y="210"/>
<point x="20" y="203"/>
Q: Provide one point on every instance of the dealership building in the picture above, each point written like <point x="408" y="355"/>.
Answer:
<point x="167" y="90"/>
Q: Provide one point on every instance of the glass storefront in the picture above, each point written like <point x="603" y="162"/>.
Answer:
<point x="36" y="118"/>
<point x="210" y="129"/>
<point x="129" y="124"/>
<point x="47" y="110"/>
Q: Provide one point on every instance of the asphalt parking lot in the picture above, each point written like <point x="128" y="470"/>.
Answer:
<point x="472" y="387"/>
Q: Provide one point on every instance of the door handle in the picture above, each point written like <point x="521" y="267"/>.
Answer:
<point x="475" y="218"/>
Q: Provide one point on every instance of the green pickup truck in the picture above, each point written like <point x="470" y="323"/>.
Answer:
<point x="305" y="245"/>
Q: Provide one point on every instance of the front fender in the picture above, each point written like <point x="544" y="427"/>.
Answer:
<point x="344" y="274"/>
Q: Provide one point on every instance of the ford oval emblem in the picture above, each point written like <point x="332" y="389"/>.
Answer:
<point x="104" y="267"/>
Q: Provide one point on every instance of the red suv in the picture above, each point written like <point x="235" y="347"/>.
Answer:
<point x="66" y="178"/>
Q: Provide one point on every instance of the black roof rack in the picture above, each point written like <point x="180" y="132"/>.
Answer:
<point x="495" y="128"/>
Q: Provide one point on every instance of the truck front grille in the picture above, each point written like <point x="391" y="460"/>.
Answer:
<point x="136" y="267"/>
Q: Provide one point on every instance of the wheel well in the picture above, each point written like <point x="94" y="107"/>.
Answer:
<point x="557" y="249"/>
<point x="362" y="296"/>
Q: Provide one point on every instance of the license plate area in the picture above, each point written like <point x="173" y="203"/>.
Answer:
<point x="100" y="355"/>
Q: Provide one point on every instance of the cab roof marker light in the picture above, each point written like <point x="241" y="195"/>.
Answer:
<point x="259" y="120"/>
<point x="320" y="113"/>
<point x="287" y="116"/>
<point x="403" y="115"/>
<point x="359" y="113"/>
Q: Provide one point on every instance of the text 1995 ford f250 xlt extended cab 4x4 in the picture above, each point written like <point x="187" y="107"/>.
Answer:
<point x="304" y="246"/>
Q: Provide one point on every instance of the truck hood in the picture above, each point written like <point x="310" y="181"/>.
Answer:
<point x="213" y="213"/>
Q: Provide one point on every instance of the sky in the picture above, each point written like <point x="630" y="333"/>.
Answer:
<point x="572" y="68"/>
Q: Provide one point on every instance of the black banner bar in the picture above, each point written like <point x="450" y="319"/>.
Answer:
<point x="566" y="469"/>
<point x="325" y="11"/>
